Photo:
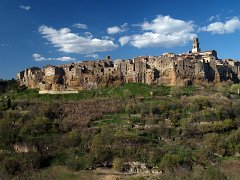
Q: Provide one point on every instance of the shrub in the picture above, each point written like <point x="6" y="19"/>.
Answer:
<point x="170" y="161"/>
<point x="36" y="127"/>
<point x="213" y="173"/>
<point x="76" y="163"/>
<point x="7" y="133"/>
<point x="126" y="93"/>
<point x="71" y="139"/>
<point x="11" y="165"/>
<point x="235" y="88"/>
<point x="53" y="111"/>
<point x="161" y="90"/>
<point x="8" y="85"/>
<point x="117" y="164"/>
<point x="1" y="114"/>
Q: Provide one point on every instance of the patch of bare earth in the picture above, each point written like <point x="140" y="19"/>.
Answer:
<point x="231" y="168"/>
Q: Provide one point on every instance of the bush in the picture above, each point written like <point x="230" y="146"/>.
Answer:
<point x="235" y="88"/>
<point x="200" y="102"/>
<point x="1" y="114"/>
<point x="71" y="139"/>
<point x="117" y="164"/>
<point x="101" y="146"/>
<point x="76" y="163"/>
<point x="36" y="127"/>
<point x="215" y="144"/>
<point x="11" y="165"/>
<point x="170" y="161"/>
<point x="8" y="85"/>
<point x="53" y="111"/>
<point x="182" y="91"/>
<point x="187" y="127"/>
<point x="213" y="173"/>
<point x="7" y="133"/>
<point x="161" y="90"/>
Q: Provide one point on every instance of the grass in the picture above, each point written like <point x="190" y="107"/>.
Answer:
<point x="113" y="119"/>
<point x="109" y="121"/>
<point x="124" y="91"/>
<point x="63" y="173"/>
<point x="123" y="133"/>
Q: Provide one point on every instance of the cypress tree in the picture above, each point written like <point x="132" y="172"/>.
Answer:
<point x="9" y="104"/>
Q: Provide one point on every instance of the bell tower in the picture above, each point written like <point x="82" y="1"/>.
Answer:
<point x="195" y="44"/>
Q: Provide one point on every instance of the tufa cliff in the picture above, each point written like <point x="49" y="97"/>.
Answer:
<point x="168" y="69"/>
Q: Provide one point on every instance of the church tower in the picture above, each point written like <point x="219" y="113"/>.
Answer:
<point x="195" y="44"/>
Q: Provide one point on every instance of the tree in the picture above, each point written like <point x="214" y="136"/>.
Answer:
<point x="9" y="104"/>
<point x="101" y="145"/>
<point x="170" y="161"/>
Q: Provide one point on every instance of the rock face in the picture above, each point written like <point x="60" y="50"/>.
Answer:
<point x="168" y="69"/>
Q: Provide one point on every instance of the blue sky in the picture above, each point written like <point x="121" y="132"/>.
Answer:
<point x="37" y="33"/>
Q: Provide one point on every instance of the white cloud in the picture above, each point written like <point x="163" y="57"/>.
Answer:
<point x="80" y="26"/>
<point x="124" y="40"/>
<point x="151" y="39"/>
<point x="39" y="57"/>
<point x="214" y="18"/>
<point x="94" y="56"/>
<point x="163" y="31"/>
<point x="116" y="29"/>
<point x="5" y="45"/>
<point x="70" y="42"/>
<point x="165" y="25"/>
<point x="227" y="27"/>
<point x="108" y="38"/>
<point x="211" y="18"/>
<point x="64" y="58"/>
<point x="113" y="30"/>
<point x="88" y="35"/>
<point x="25" y="7"/>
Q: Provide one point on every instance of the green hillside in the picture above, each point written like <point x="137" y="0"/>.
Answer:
<point x="181" y="132"/>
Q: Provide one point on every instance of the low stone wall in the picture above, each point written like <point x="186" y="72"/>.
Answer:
<point x="58" y="92"/>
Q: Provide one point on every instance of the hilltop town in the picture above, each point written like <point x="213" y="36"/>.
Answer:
<point x="123" y="130"/>
<point x="193" y="67"/>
